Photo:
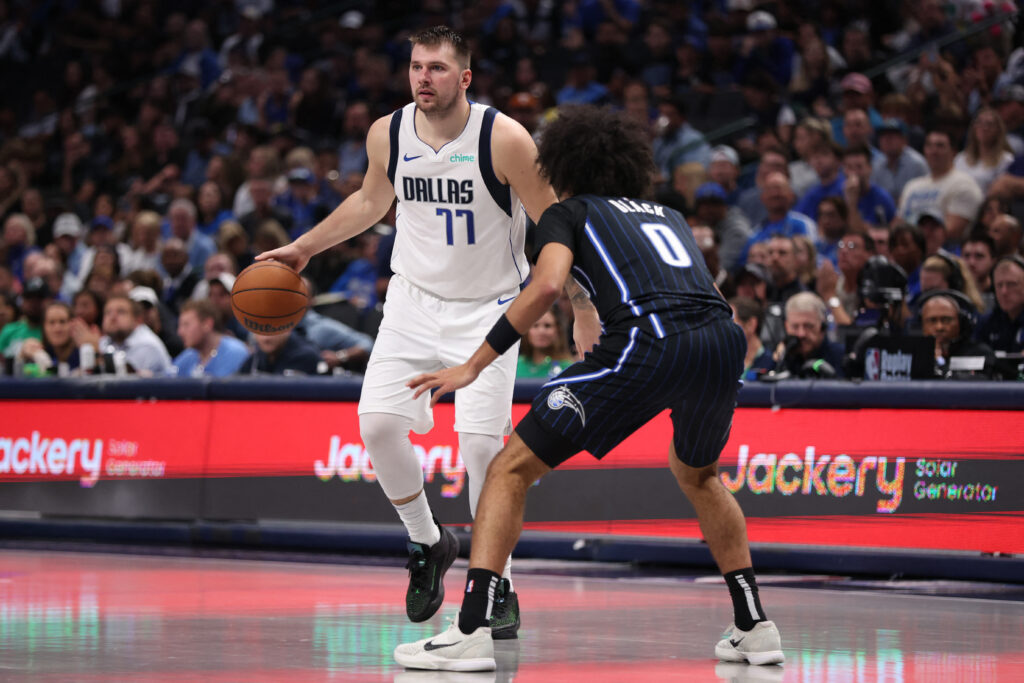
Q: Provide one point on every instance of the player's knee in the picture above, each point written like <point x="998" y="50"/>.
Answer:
<point x="516" y="464"/>
<point x="693" y="478"/>
<point x="377" y="429"/>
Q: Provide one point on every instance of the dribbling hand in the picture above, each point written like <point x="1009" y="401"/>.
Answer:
<point x="289" y="255"/>
<point x="444" y="381"/>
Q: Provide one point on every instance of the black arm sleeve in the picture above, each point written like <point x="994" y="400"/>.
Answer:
<point x="561" y="223"/>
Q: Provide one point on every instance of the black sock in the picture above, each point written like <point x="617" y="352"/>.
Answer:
<point x="746" y="605"/>
<point x="478" y="599"/>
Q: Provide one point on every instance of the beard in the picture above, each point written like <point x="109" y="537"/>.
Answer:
<point x="439" y="106"/>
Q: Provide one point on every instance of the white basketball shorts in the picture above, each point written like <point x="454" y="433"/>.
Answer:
<point x="422" y="333"/>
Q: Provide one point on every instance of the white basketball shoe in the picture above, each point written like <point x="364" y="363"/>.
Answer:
<point x="452" y="650"/>
<point x="760" y="645"/>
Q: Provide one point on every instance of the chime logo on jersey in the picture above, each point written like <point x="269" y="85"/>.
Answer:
<point x="562" y="397"/>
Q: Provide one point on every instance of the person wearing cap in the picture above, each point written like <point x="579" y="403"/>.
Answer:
<point x="900" y="163"/>
<point x="857" y="92"/>
<point x="220" y="295"/>
<point x="102" y="234"/>
<point x="208" y="352"/>
<point x="933" y="228"/>
<point x="763" y="48"/>
<point x="34" y="297"/>
<point x="218" y="264"/>
<point x="67" y="234"/>
<point x="729" y="223"/>
<point x="753" y="280"/>
<point x="299" y="200"/>
<point x="724" y="169"/>
<point x="953" y="193"/>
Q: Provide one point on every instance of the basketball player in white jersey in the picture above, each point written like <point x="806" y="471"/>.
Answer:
<point x="463" y="175"/>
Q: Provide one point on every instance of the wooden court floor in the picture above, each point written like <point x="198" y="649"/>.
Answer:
<point x="77" y="616"/>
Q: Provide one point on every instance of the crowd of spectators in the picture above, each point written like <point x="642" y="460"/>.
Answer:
<point x="149" y="150"/>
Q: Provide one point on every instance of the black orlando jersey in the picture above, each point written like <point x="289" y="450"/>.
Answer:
<point x="638" y="261"/>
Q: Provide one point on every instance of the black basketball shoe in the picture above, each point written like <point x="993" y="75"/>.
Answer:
<point x="505" y="613"/>
<point x="427" y="566"/>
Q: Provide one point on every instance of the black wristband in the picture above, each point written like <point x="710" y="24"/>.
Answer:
<point x="502" y="336"/>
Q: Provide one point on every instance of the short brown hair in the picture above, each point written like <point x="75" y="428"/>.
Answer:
<point x="204" y="310"/>
<point x="442" y="35"/>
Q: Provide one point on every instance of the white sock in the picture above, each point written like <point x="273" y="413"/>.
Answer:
<point x="419" y="521"/>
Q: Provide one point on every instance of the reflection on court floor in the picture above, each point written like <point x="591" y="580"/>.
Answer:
<point x="101" y="617"/>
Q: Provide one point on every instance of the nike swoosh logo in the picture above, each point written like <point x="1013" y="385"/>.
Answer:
<point x="735" y="643"/>
<point x="409" y="158"/>
<point x="428" y="646"/>
<point x="502" y="302"/>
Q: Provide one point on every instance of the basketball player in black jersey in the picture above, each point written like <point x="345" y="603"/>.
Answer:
<point x="668" y="343"/>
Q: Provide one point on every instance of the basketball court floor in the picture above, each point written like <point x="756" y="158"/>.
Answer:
<point x="81" y="616"/>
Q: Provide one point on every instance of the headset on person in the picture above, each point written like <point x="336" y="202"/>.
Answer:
<point x="967" y="314"/>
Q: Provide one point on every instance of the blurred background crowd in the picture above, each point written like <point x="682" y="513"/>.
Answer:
<point x="852" y="170"/>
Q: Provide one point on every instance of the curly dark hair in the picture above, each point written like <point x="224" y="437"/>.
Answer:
<point x="592" y="150"/>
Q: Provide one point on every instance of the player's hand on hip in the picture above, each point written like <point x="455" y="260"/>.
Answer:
<point x="289" y="254"/>
<point x="445" y="381"/>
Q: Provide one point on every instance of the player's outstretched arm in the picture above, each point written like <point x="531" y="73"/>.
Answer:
<point x="546" y="283"/>
<point x="359" y="211"/>
<point x="515" y="162"/>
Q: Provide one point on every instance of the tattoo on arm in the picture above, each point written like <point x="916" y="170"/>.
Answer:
<point x="577" y="295"/>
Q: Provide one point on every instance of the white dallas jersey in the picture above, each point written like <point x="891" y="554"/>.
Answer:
<point x="460" y="232"/>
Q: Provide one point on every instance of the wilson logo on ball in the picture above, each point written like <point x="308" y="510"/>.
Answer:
<point x="269" y="298"/>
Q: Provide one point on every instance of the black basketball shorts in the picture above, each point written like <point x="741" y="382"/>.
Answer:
<point x="630" y="378"/>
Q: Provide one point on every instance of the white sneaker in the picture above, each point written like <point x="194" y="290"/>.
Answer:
<point x="760" y="645"/>
<point x="450" y="651"/>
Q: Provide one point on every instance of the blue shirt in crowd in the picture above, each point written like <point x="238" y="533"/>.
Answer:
<point x="229" y="357"/>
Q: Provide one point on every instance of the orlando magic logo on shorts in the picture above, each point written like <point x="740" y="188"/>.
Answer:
<point x="562" y="397"/>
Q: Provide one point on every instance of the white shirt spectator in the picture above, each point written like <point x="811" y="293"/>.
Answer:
<point x="982" y="173"/>
<point x="955" y="193"/>
<point x="143" y="349"/>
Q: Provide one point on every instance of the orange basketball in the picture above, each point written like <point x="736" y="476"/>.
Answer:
<point x="269" y="298"/>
